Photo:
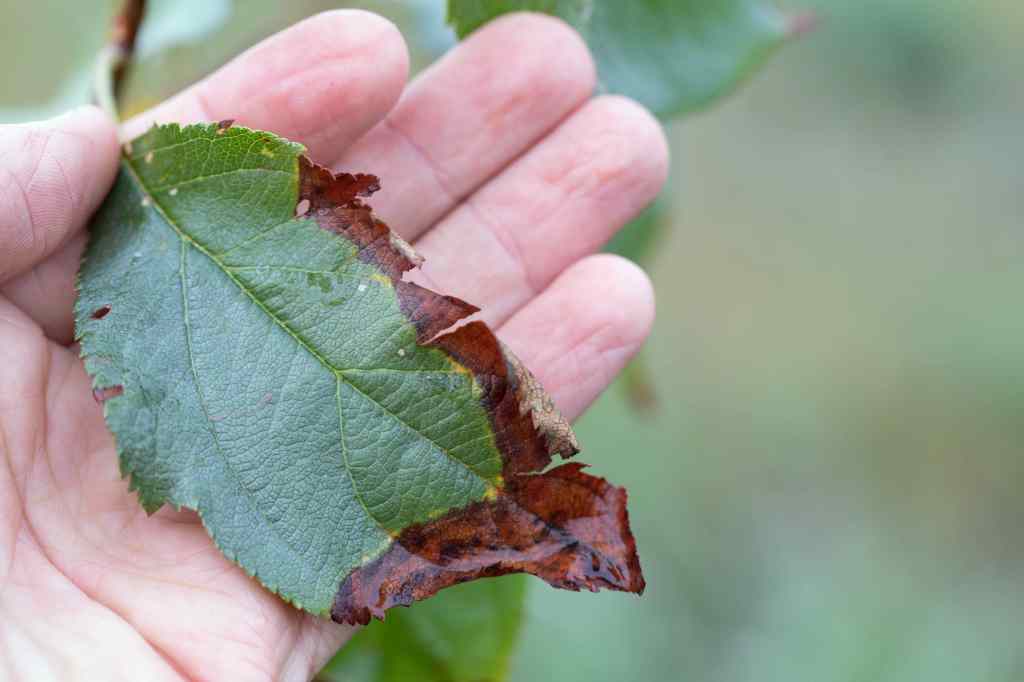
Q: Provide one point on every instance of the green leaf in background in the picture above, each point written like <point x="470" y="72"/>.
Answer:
<point x="262" y="361"/>
<point x="673" y="56"/>
<point x="465" y="634"/>
<point x="467" y="16"/>
<point x="636" y="241"/>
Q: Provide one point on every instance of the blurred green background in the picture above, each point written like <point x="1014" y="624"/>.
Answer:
<point x="827" y="485"/>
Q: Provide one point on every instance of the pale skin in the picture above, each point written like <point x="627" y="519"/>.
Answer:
<point x="497" y="163"/>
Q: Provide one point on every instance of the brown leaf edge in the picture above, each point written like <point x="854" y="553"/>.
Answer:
<point x="562" y="525"/>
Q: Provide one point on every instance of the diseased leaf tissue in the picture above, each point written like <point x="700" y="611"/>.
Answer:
<point x="261" y="360"/>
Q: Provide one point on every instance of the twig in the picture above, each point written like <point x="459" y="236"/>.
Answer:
<point x="116" y="55"/>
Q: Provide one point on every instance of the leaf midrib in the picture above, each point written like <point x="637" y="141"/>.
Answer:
<point x="338" y="372"/>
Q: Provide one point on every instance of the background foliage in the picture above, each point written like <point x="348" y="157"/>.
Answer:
<point x="827" y="488"/>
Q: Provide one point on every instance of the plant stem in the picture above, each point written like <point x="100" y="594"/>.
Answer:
<point x="116" y="55"/>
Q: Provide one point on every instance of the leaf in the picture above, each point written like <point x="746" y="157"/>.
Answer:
<point x="466" y="634"/>
<point x="261" y="360"/>
<point x="638" y="239"/>
<point x="467" y="16"/>
<point x="673" y="56"/>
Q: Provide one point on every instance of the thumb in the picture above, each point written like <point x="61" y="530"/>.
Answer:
<point x="53" y="175"/>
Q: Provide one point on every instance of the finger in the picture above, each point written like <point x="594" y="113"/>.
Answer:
<point x="557" y="204"/>
<point x="47" y="292"/>
<point x="53" y="176"/>
<point x="582" y="330"/>
<point x="319" y="640"/>
<point x="470" y="114"/>
<point x="323" y="82"/>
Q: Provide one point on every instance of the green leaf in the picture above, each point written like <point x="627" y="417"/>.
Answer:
<point x="467" y="16"/>
<point x="261" y="360"/>
<point x="673" y="56"/>
<point x="466" y="634"/>
<point x="637" y="240"/>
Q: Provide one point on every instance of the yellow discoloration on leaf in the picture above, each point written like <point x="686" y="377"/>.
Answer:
<point x="458" y="367"/>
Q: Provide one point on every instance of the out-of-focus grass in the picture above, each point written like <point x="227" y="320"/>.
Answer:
<point x="828" y="489"/>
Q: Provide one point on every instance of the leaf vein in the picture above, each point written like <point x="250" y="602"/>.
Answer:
<point x="206" y="411"/>
<point x="348" y="467"/>
<point x="486" y="480"/>
<point x="191" y="140"/>
<point x="339" y="372"/>
<point x="209" y="176"/>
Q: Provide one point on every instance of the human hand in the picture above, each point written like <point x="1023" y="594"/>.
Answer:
<point x="495" y="163"/>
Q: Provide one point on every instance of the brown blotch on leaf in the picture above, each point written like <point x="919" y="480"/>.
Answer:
<point x="536" y="402"/>
<point x="567" y="527"/>
<point x="564" y="526"/>
<point x="430" y="312"/>
<point x="102" y="395"/>
<point x="335" y="204"/>
<point x="100" y="313"/>
<point x="506" y="385"/>
<point x="222" y="126"/>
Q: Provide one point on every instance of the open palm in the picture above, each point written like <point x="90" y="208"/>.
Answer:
<point x="496" y="163"/>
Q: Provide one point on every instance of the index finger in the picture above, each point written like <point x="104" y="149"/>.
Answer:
<point x="322" y="82"/>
